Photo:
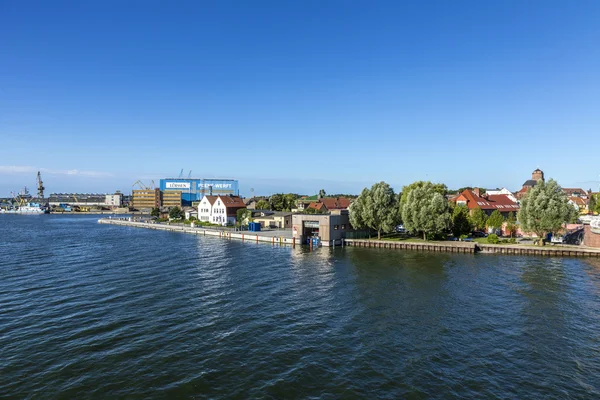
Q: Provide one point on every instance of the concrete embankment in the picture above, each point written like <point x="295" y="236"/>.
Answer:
<point x="445" y="247"/>
<point x="472" y="248"/>
<point x="267" y="237"/>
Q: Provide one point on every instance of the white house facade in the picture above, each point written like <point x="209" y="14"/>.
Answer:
<point x="205" y="208"/>
<point x="220" y="210"/>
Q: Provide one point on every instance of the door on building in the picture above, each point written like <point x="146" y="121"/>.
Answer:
<point x="310" y="229"/>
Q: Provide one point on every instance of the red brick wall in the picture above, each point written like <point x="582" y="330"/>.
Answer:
<point x="591" y="239"/>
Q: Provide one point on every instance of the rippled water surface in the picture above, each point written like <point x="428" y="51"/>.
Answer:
<point x="89" y="310"/>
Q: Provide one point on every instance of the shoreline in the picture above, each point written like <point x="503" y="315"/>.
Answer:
<point x="226" y="234"/>
<point x="437" y="247"/>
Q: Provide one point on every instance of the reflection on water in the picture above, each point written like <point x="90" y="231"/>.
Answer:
<point x="90" y="310"/>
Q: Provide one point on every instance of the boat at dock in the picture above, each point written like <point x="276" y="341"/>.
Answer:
<point x="24" y="204"/>
<point x="27" y="208"/>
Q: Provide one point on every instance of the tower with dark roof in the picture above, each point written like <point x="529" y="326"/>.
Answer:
<point x="537" y="175"/>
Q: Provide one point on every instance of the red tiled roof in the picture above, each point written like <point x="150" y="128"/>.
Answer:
<point x="232" y="201"/>
<point x="211" y="199"/>
<point x="500" y="202"/>
<point x="341" y="203"/>
<point x="316" y="206"/>
<point x="578" y="200"/>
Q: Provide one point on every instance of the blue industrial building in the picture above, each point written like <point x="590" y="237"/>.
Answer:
<point x="193" y="189"/>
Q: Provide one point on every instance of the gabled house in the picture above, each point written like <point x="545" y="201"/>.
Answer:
<point x="576" y="192"/>
<point x="326" y="204"/>
<point x="205" y="208"/>
<point x="219" y="209"/>
<point x="494" y="192"/>
<point x="488" y="203"/>
<point x="579" y="203"/>
<point x="318" y="206"/>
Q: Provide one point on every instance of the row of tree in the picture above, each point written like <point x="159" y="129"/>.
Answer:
<point x="278" y="202"/>
<point x="423" y="208"/>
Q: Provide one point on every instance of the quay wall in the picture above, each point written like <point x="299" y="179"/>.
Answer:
<point x="446" y="247"/>
<point x="550" y="251"/>
<point x="449" y="247"/>
<point x="472" y="248"/>
<point x="244" y="236"/>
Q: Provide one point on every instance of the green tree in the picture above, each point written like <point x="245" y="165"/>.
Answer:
<point x="243" y="216"/>
<point x="594" y="203"/>
<point x="495" y="220"/>
<point x="263" y="205"/>
<point x="175" y="213"/>
<point x="155" y="212"/>
<point x="437" y="187"/>
<point x="356" y="210"/>
<point x="377" y="209"/>
<point x="289" y="201"/>
<point x="426" y="210"/>
<point x="478" y="219"/>
<point x="461" y="224"/>
<point x="511" y="223"/>
<point x="276" y="202"/>
<point x="322" y="193"/>
<point x="544" y="209"/>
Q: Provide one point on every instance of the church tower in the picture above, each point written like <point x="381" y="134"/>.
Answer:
<point x="537" y="175"/>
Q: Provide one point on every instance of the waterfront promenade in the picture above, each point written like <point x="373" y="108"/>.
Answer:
<point x="284" y="237"/>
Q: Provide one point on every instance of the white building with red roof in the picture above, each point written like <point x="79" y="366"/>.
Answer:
<point x="220" y="210"/>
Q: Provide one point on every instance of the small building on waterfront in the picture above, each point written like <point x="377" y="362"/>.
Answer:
<point x="330" y="228"/>
<point x="220" y="210"/>
<point x="273" y="219"/>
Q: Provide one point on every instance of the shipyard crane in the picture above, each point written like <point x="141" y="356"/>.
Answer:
<point x="181" y="174"/>
<point x="141" y="185"/>
<point x="20" y="201"/>
<point x="190" y="174"/>
<point x="41" y="187"/>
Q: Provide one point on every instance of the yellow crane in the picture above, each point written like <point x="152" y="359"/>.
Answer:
<point x="78" y="207"/>
<point x="18" y="199"/>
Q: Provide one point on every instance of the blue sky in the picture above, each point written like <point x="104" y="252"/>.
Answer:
<point x="298" y="95"/>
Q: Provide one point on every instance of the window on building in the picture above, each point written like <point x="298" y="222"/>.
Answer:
<point x="343" y="226"/>
<point x="336" y="227"/>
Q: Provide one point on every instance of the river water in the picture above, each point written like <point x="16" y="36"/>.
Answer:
<point x="100" y="311"/>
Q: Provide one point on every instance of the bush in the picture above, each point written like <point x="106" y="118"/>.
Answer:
<point x="493" y="239"/>
<point x="512" y="240"/>
<point x="463" y="237"/>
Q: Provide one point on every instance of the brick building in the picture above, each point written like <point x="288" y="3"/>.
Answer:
<point x="537" y="175"/>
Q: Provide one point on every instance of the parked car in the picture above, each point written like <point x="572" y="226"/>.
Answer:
<point x="400" y="229"/>
<point x="479" y="234"/>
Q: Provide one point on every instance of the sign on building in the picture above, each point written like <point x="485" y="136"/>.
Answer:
<point x="178" y="185"/>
